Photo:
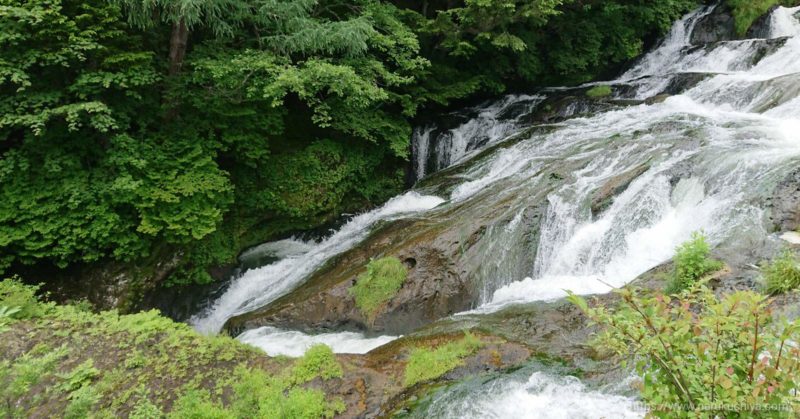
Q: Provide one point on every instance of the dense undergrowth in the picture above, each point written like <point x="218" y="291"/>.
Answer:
<point x="131" y="130"/>
<point x="66" y="361"/>
<point x="701" y="355"/>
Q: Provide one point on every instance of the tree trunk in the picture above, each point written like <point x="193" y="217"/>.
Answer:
<point x="177" y="47"/>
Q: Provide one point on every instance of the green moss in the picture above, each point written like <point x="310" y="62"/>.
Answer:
<point x="378" y="284"/>
<point x="599" y="91"/>
<point x="782" y="274"/>
<point x="426" y="364"/>
<point x="745" y="12"/>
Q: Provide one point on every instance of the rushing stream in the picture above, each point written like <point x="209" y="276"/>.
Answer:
<point x="703" y="157"/>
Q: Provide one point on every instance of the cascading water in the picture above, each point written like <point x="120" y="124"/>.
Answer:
<point x="705" y="158"/>
<point x="526" y="395"/>
<point x="711" y="154"/>
<point x="784" y="22"/>
<point x="275" y="341"/>
<point x="435" y="150"/>
<point x="258" y="287"/>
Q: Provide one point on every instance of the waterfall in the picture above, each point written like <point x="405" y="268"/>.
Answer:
<point x="276" y="342"/>
<point x="435" y="149"/>
<point x="669" y="49"/>
<point x="710" y="153"/>
<point x="536" y="396"/>
<point x="706" y="156"/>
<point x="260" y="286"/>
<point x="784" y="22"/>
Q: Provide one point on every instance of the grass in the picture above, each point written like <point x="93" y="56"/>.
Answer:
<point x="692" y="262"/>
<point x="599" y="91"/>
<point x="782" y="274"/>
<point x="375" y="287"/>
<point x="66" y="361"/>
<point x="745" y="12"/>
<point x="425" y="364"/>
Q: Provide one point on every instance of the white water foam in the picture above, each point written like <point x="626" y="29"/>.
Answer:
<point x="276" y="341"/>
<point x="784" y="22"/>
<point x="543" y="396"/>
<point x="458" y="144"/>
<point x="668" y="53"/>
<point x="257" y="287"/>
<point x="738" y="148"/>
<point x="278" y="249"/>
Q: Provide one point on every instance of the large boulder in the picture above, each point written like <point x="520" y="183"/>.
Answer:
<point x="719" y="25"/>
<point x="785" y="203"/>
<point x="444" y="269"/>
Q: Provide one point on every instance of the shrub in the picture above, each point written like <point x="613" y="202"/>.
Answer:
<point x="599" y="91"/>
<point x="378" y="284"/>
<point x="782" y="274"/>
<point x="426" y="364"/>
<point x="6" y="317"/>
<point x="700" y="356"/>
<point x="318" y="361"/>
<point x="692" y="262"/>
<point x="15" y="294"/>
<point x="145" y="409"/>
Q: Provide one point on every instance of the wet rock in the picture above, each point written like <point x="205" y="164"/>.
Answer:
<point x="682" y="82"/>
<point x="761" y="27"/>
<point x="603" y="197"/>
<point x="719" y="25"/>
<point x="443" y="266"/>
<point x="564" y="105"/>
<point x="433" y="288"/>
<point x="111" y="285"/>
<point x="373" y="384"/>
<point x="785" y="203"/>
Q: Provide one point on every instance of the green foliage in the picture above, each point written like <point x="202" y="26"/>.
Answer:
<point x="375" y="287"/>
<point x="599" y="91"/>
<point x="704" y="356"/>
<point x="108" y="365"/>
<point x="79" y="377"/>
<point x="318" y="361"/>
<point x="81" y="402"/>
<point x="17" y="378"/>
<point x="745" y="12"/>
<point x="487" y="45"/>
<point x="196" y="404"/>
<point x="425" y="364"/>
<point x="260" y="395"/>
<point x="7" y="317"/>
<point x="782" y="274"/>
<point x="692" y="262"/>
<point x="145" y="409"/>
<point x="20" y="300"/>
